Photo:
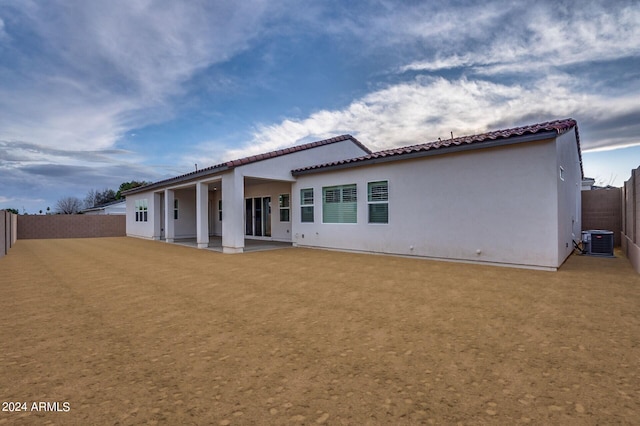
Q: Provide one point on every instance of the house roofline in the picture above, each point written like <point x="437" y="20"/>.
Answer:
<point x="366" y="161"/>
<point x="228" y="165"/>
<point x="103" y="206"/>
<point x="536" y="132"/>
<point x="177" y="180"/>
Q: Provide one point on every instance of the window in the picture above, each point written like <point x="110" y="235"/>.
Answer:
<point x="306" y="205"/>
<point x="175" y="209"/>
<point x="220" y="210"/>
<point x="141" y="208"/>
<point x="284" y="202"/>
<point x="340" y="204"/>
<point x="378" y="200"/>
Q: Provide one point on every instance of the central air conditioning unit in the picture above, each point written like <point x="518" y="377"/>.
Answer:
<point x="597" y="242"/>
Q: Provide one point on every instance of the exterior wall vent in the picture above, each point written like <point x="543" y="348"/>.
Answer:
<point x="597" y="242"/>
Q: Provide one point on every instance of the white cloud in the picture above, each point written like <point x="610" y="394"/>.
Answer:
<point x="543" y="37"/>
<point x="431" y="108"/>
<point x="438" y="25"/>
<point x="440" y="63"/>
<point x="98" y="69"/>
<point x="3" y="33"/>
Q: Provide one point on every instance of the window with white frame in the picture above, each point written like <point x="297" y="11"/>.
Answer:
<point x="378" y="201"/>
<point x="306" y="205"/>
<point x="141" y="208"/>
<point x="284" y="203"/>
<point x="340" y="204"/>
<point x="175" y="209"/>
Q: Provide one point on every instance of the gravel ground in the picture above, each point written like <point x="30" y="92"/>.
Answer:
<point x="126" y="331"/>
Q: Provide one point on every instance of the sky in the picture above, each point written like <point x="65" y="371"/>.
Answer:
<point x="96" y="93"/>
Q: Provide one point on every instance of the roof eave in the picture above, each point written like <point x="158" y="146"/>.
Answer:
<point x="177" y="180"/>
<point x="210" y="171"/>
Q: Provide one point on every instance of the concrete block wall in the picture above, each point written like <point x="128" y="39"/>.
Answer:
<point x="8" y="231"/>
<point x="631" y="219"/>
<point x="70" y="226"/>
<point x="602" y="209"/>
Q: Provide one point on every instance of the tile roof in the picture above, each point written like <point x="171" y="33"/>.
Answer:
<point x="246" y="160"/>
<point x="447" y="145"/>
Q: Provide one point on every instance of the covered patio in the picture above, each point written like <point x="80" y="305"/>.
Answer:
<point x="250" y="197"/>
<point x="256" y="214"/>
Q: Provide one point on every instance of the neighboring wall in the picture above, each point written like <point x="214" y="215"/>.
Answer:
<point x="8" y="231"/>
<point x="602" y="209"/>
<point x="631" y="219"/>
<point x="70" y="226"/>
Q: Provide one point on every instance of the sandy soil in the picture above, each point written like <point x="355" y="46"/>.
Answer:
<point x="140" y="332"/>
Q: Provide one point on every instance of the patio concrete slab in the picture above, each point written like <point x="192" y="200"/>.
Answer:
<point x="250" y="245"/>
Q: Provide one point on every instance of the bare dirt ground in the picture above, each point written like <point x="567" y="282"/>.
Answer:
<point x="139" y="332"/>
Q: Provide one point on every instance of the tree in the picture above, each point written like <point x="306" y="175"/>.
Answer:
<point x="96" y="198"/>
<point x="90" y="199"/>
<point x="68" y="205"/>
<point x="106" y="196"/>
<point x="129" y="185"/>
<point x="14" y="211"/>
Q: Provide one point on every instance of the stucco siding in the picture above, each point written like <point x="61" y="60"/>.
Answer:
<point x="215" y="224"/>
<point x="500" y="201"/>
<point x="185" y="225"/>
<point x="279" y="168"/>
<point x="569" y="194"/>
<point x="135" y="228"/>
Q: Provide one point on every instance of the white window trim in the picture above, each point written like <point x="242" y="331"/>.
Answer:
<point x="281" y="208"/>
<point x="378" y="202"/>
<point x="141" y="210"/>
<point x="341" y="186"/>
<point x="312" y="205"/>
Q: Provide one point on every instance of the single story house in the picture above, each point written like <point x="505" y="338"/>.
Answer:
<point x="508" y="197"/>
<point x="114" y="207"/>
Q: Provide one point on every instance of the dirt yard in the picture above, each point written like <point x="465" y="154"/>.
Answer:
<point x="127" y="331"/>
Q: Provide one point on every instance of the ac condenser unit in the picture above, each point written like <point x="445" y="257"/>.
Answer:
<point x="597" y="242"/>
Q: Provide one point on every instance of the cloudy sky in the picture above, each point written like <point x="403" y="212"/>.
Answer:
<point x="95" y="93"/>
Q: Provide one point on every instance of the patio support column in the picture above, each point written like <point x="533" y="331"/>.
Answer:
<point x="169" y="229"/>
<point x="233" y="215"/>
<point x="202" y="214"/>
<point x="157" y="216"/>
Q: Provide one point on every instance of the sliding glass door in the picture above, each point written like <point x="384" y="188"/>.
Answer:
<point x="258" y="216"/>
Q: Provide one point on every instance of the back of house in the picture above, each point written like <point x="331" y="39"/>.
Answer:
<point x="509" y="197"/>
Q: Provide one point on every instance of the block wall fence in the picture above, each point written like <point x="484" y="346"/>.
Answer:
<point x="70" y="226"/>
<point x="602" y="209"/>
<point x="631" y="219"/>
<point x="8" y="231"/>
